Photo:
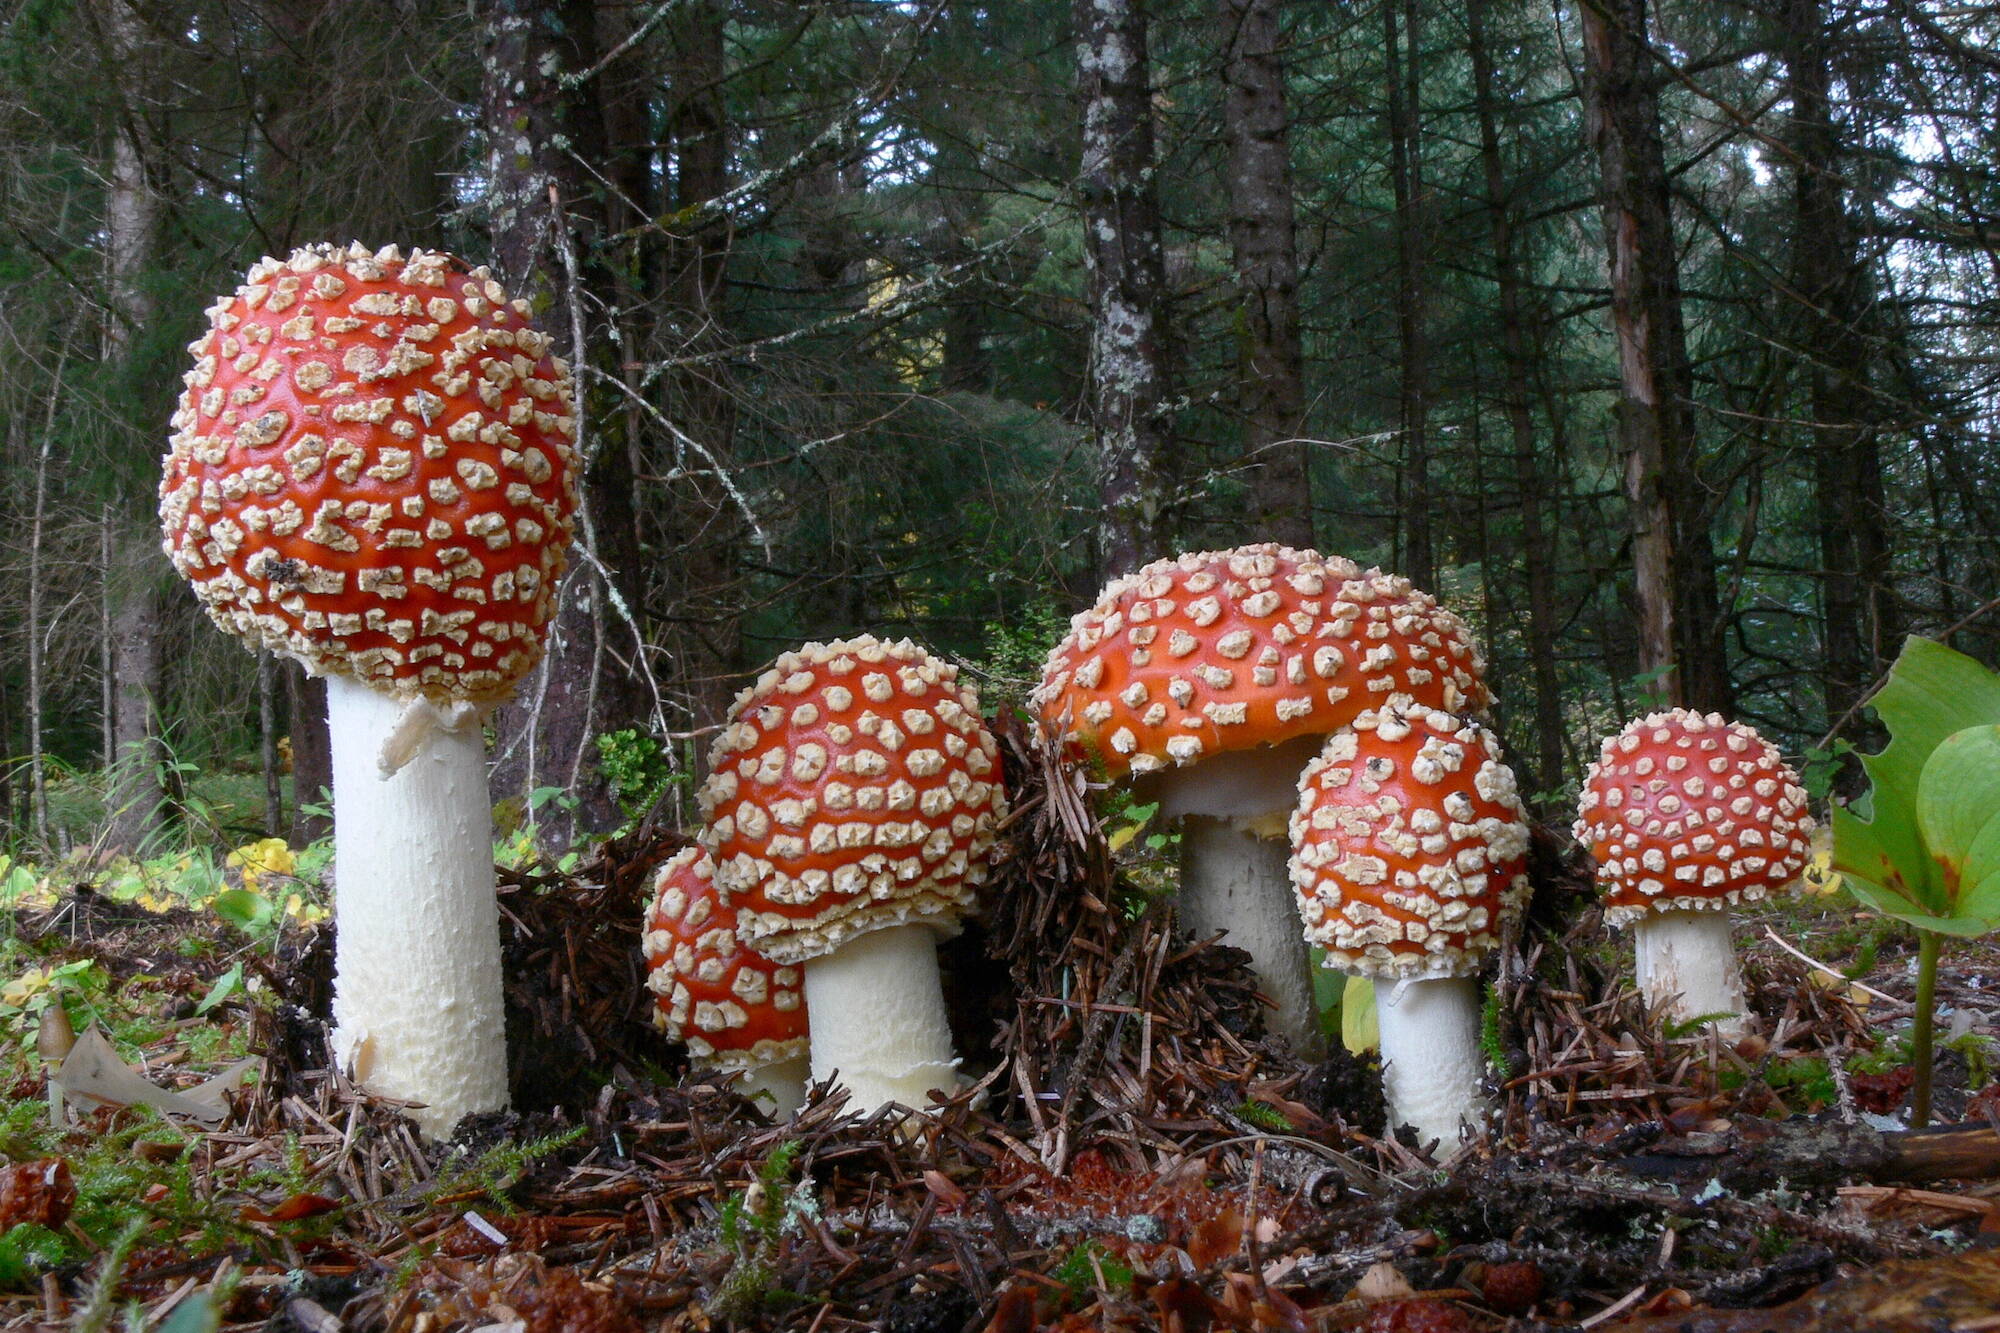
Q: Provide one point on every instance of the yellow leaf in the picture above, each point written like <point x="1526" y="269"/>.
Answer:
<point x="1819" y="876"/>
<point x="24" y="987"/>
<point x="268" y="856"/>
<point x="1121" y="836"/>
<point x="1358" y="1029"/>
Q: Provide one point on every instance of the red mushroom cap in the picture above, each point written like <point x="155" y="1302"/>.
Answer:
<point x="1685" y="812"/>
<point x="371" y="471"/>
<point x="732" y="1008"/>
<point x="855" y="787"/>
<point x="1409" y="845"/>
<point x="1228" y="650"/>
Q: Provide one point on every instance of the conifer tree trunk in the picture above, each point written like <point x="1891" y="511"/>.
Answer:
<point x="136" y="575"/>
<point x="707" y="528"/>
<point x="312" y="755"/>
<point x="1270" y="374"/>
<point x="547" y="216"/>
<point x="1680" y="623"/>
<point x="1127" y="273"/>
<point x="1517" y="375"/>
<point x="1415" y="500"/>
<point x="1830" y="282"/>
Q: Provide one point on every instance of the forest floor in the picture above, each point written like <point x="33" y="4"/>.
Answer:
<point x="1134" y="1155"/>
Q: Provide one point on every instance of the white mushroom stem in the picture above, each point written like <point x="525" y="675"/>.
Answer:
<point x="1432" y="1066"/>
<point x="1687" y="966"/>
<point x="416" y="1007"/>
<point x="876" y="1009"/>
<point x="780" y="1086"/>
<point x="1234" y="877"/>
<point x="1235" y="880"/>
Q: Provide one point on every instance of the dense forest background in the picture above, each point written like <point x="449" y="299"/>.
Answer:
<point x="1660" y="341"/>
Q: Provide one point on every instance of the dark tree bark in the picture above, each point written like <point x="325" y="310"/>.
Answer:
<point x="1517" y="377"/>
<point x="1127" y="273"/>
<point x="312" y="755"/>
<point x="137" y="795"/>
<point x="706" y="531"/>
<point x="547" y="221"/>
<point x="967" y="365"/>
<point x="1830" y="282"/>
<point x="1270" y="373"/>
<point x="1680" y="621"/>
<point x="1406" y="169"/>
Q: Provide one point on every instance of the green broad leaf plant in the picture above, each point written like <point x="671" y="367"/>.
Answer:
<point x="1923" y="844"/>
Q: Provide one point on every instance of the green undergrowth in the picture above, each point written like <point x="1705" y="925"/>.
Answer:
<point x="751" y="1227"/>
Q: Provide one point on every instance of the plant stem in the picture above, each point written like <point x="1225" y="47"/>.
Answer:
<point x="1928" y="944"/>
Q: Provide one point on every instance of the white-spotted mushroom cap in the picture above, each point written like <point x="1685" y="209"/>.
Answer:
<point x="1685" y="812"/>
<point x="733" y="1009"/>
<point x="1409" y="845"/>
<point x="1228" y="650"/>
<point x="854" y="787"/>
<point x="371" y="471"/>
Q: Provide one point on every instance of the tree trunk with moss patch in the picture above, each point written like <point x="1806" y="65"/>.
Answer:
<point x="1127" y="274"/>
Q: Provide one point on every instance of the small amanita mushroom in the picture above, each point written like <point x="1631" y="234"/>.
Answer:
<point x="371" y="473"/>
<point x="736" y="1011"/>
<point x="851" y="801"/>
<point x="1212" y="678"/>
<point x="1410" y="848"/>
<point x="1688" y="816"/>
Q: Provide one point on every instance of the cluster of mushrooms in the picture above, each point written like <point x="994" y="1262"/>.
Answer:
<point x="372" y="472"/>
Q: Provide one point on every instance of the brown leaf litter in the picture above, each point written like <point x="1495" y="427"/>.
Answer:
<point x="1135" y="1154"/>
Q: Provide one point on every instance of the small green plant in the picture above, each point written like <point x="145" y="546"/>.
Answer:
<point x="1014" y="656"/>
<point x="497" y="1170"/>
<point x="637" y="766"/>
<point x="1264" y="1116"/>
<point x="1923" y="844"/>
<point x="752" y="1225"/>
<point x="1808" y="1077"/>
<point x="1491" y="1042"/>
<point x="1090" y="1267"/>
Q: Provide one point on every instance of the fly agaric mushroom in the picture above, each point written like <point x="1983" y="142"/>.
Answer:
<point x="736" y="1011"/>
<point x="1688" y="816"/>
<point x="851" y="801"/>
<point x="371" y="473"/>
<point x="1409" y="849"/>
<point x="1213" y="677"/>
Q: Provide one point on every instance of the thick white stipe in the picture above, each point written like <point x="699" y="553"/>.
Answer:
<point x="1431" y="1061"/>
<point x="876" y="1008"/>
<point x="1687" y="962"/>
<point x="417" y="1010"/>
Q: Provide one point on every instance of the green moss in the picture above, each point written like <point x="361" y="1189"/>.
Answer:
<point x="1264" y="1117"/>
<point x="1089" y="1267"/>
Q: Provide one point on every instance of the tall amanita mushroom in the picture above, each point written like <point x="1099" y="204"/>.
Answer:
<point x="851" y="802"/>
<point x="1409" y="849"/>
<point x="1688" y="816"/>
<point x="1217" y="674"/>
<point x="736" y="1011"/>
<point x="371" y="473"/>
